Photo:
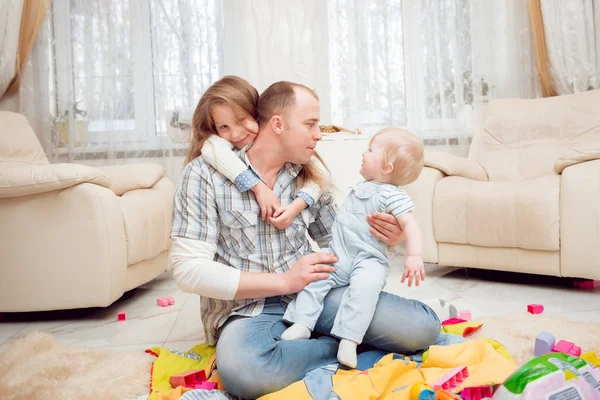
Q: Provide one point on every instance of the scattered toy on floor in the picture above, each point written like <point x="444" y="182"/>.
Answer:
<point x="165" y="301"/>
<point x="206" y="386"/>
<point x="544" y="343"/>
<point x="535" y="308"/>
<point x="563" y="346"/>
<point x="122" y="316"/>
<point x="422" y="391"/>
<point x="188" y="379"/>
<point x="476" y="392"/>
<point x="591" y="358"/>
<point x="452" y="379"/>
<point x="466" y="315"/>
<point x="586" y="284"/>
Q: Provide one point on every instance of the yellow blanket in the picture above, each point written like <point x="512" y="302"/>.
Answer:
<point x="487" y="361"/>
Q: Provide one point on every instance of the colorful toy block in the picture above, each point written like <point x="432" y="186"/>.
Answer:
<point x="591" y="358"/>
<point x="575" y="351"/>
<point x="165" y="301"/>
<point x="544" y="343"/>
<point x="453" y="321"/>
<point x="535" y="308"/>
<point x="188" y="379"/>
<point x="586" y="284"/>
<point x="452" y="379"/>
<point x="476" y="392"/>
<point x="563" y="347"/>
<point x="122" y="316"/>
<point x="206" y="386"/>
<point x="466" y="315"/>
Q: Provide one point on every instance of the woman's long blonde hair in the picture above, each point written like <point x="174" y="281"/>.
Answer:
<point x="230" y="90"/>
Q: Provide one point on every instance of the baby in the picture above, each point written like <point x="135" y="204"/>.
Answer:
<point x="394" y="158"/>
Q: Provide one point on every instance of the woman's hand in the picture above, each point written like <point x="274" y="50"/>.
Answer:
<point x="385" y="228"/>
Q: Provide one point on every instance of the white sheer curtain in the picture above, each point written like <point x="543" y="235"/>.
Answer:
<point x="426" y="64"/>
<point x="116" y="81"/>
<point x="572" y="30"/>
<point x="108" y="80"/>
<point x="10" y="17"/>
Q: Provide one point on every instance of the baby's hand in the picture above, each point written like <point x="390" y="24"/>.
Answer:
<point x="283" y="217"/>
<point x="413" y="270"/>
<point x="267" y="200"/>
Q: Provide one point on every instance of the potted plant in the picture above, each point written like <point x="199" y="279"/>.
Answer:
<point x="63" y="131"/>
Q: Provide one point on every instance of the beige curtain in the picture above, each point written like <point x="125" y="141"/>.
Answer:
<point x="32" y="17"/>
<point x="541" y="51"/>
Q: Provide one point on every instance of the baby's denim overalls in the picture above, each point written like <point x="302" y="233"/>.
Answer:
<point x="362" y="263"/>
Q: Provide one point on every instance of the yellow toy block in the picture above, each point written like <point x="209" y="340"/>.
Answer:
<point x="592" y="358"/>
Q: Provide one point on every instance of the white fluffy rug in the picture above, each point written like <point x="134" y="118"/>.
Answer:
<point x="517" y="332"/>
<point x="38" y="367"/>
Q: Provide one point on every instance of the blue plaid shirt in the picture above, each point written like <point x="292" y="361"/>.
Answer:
<point x="210" y="208"/>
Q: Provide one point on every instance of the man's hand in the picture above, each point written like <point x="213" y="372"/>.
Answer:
<point x="309" y="268"/>
<point x="266" y="199"/>
<point x="413" y="270"/>
<point x="385" y="228"/>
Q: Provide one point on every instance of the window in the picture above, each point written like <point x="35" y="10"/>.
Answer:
<point x="125" y="66"/>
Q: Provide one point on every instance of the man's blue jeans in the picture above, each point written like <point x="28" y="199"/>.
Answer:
<point x="253" y="360"/>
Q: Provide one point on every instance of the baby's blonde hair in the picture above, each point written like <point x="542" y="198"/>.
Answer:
<point x="404" y="151"/>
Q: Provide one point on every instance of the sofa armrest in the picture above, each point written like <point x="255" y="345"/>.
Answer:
<point x="452" y="165"/>
<point x="125" y="178"/>
<point x="34" y="179"/>
<point x="576" y="156"/>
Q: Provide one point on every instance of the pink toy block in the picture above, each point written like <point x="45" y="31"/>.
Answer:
<point x="575" y="351"/>
<point x="188" y="379"/>
<point x="207" y="386"/>
<point x="544" y="343"/>
<point x="476" y="392"/>
<point x="452" y="379"/>
<point x="563" y="347"/>
<point x="535" y="308"/>
<point x="466" y="315"/>
<point x="453" y="321"/>
<point x="586" y="284"/>
<point x="122" y="316"/>
<point x="165" y="301"/>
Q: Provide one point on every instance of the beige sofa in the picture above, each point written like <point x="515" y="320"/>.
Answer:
<point x="527" y="198"/>
<point x="74" y="236"/>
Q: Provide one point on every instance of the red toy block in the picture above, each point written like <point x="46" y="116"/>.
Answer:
<point x="207" y="386"/>
<point x="466" y="315"/>
<point x="575" y="351"/>
<point x="535" y="308"/>
<point x="188" y="379"/>
<point x="453" y="321"/>
<point x="165" y="301"/>
<point x="122" y="316"/>
<point x="476" y="392"/>
<point x="563" y="347"/>
<point x="452" y="379"/>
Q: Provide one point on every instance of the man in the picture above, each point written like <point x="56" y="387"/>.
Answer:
<point x="256" y="267"/>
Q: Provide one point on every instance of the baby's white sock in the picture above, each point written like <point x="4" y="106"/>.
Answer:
<point x="296" y="331"/>
<point x="444" y="309"/>
<point x="347" y="353"/>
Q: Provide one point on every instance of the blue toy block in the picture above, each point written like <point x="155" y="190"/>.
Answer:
<point x="544" y="343"/>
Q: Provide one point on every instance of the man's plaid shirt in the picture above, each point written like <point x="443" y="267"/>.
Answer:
<point x="210" y="208"/>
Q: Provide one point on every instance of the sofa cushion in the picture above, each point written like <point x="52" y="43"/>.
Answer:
<point x="522" y="214"/>
<point x="20" y="145"/>
<point x="147" y="216"/>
